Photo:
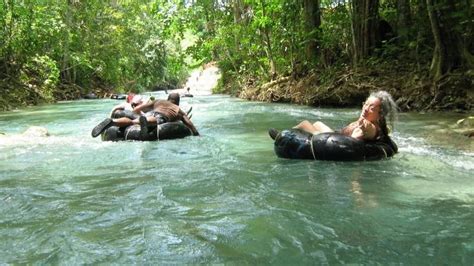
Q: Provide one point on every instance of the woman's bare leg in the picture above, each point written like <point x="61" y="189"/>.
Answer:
<point x="151" y="120"/>
<point x="306" y="126"/>
<point x="318" y="127"/>
<point x="321" y="127"/>
<point x="123" y="122"/>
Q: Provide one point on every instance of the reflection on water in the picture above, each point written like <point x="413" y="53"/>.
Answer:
<point x="224" y="197"/>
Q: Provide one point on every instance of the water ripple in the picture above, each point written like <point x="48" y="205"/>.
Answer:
<point x="224" y="197"/>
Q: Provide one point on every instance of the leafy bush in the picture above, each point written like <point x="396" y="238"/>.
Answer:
<point x="41" y="75"/>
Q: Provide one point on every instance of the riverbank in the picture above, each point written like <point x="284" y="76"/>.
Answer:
<point x="410" y="86"/>
<point x="16" y="94"/>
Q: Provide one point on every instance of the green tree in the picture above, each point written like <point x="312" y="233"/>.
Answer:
<point x="450" y="51"/>
<point x="364" y="28"/>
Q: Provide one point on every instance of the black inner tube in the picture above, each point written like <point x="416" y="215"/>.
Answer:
<point x="298" y="144"/>
<point x="170" y="130"/>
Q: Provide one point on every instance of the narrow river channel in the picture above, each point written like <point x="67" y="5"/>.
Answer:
<point x="224" y="197"/>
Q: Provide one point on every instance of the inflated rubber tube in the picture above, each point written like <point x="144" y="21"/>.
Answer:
<point x="113" y="133"/>
<point x="124" y="113"/>
<point x="298" y="144"/>
<point x="90" y="95"/>
<point x="118" y="96"/>
<point x="170" y="130"/>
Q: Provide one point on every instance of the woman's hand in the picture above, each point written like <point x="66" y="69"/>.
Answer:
<point x="365" y="130"/>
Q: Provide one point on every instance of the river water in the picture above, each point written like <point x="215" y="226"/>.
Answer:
<point x="224" y="197"/>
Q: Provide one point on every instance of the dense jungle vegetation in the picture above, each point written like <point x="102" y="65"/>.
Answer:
<point x="316" y="52"/>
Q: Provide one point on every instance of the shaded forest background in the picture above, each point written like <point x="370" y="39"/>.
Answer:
<point x="321" y="53"/>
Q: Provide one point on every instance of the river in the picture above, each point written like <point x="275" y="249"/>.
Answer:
<point x="224" y="197"/>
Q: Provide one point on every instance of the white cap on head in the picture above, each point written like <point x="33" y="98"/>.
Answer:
<point x="137" y="99"/>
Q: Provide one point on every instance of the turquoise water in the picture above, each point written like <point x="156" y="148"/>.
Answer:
<point x="224" y="197"/>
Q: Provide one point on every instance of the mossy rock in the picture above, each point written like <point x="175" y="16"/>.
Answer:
<point x="465" y="126"/>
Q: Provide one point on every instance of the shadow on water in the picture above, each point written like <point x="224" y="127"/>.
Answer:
<point x="224" y="197"/>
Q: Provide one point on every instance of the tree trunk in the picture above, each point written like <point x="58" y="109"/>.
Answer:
<point x="65" y="62"/>
<point x="403" y="17"/>
<point x="237" y="11"/>
<point x="269" y="52"/>
<point x="364" y="28"/>
<point x="312" y="22"/>
<point x="209" y="26"/>
<point x="268" y="46"/>
<point x="449" y="52"/>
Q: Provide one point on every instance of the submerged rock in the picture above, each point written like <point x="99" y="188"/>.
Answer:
<point x="465" y="126"/>
<point x="466" y="122"/>
<point x="35" y="131"/>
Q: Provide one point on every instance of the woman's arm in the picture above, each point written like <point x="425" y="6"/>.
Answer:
<point x="358" y="133"/>
<point x="144" y="106"/>
<point x="365" y="130"/>
<point x="187" y="122"/>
